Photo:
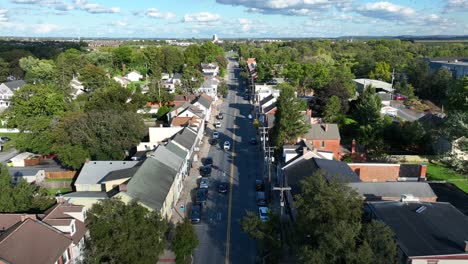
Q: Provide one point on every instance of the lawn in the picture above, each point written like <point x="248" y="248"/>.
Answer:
<point x="55" y="191"/>
<point x="12" y="136"/>
<point x="438" y="172"/>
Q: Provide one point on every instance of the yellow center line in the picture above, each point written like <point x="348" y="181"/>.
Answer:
<point x="231" y="183"/>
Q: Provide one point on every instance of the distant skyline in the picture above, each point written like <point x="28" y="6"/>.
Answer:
<point x="231" y="18"/>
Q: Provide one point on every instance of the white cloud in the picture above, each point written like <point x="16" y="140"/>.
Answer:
<point x="95" y="8"/>
<point x="155" y="13"/>
<point x="456" y="5"/>
<point x="385" y="10"/>
<point x="202" y="17"/>
<point x="3" y="15"/>
<point x="45" y="28"/>
<point x="55" y="4"/>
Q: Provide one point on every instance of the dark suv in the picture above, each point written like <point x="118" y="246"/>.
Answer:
<point x="202" y="196"/>
<point x="195" y="215"/>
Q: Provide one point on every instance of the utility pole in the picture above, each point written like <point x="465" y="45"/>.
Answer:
<point x="281" y="188"/>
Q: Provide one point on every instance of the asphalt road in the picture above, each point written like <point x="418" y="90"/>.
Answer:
<point x="220" y="235"/>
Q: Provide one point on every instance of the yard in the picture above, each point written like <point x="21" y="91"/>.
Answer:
<point x="12" y="136"/>
<point x="55" y="191"/>
<point x="438" y="172"/>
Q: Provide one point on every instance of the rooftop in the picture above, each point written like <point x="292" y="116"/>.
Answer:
<point x="94" y="171"/>
<point x="377" y="190"/>
<point x="323" y="132"/>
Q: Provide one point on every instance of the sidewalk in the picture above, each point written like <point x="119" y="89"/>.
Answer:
<point x="183" y="205"/>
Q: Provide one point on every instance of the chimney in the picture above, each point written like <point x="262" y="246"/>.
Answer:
<point x="353" y="147"/>
<point x="422" y="172"/>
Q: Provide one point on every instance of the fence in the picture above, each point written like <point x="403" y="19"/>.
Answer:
<point x="55" y="184"/>
<point x="60" y="174"/>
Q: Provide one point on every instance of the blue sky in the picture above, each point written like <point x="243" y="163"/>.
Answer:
<point x="231" y="18"/>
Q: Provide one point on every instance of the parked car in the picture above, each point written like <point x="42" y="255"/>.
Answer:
<point x="253" y="141"/>
<point x="261" y="199"/>
<point x="208" y="161"/>
<point x="202" y="196"/>
<point x="263" y="213"/>
<point x="222" y="187"/>
<point x="215" y="134"/>
<point x="213" y="141"/>
<point x="220" y="115"/>
<point x="204" y="183"/>
<point x="400" y="97"/>
<point x="205" y="171"/>
<point x="227" y="145"/>
<point x="195" y="214"/>
<point x="217" y="124"/>
<point x="5" y="139"/>
<point x="259" y="186"/>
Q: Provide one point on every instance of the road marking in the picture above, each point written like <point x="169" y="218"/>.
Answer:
<point x="231" y="182"/>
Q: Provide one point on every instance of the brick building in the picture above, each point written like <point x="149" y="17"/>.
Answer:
<point x="383" y="172"/>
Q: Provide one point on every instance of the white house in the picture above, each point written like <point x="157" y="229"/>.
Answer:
<point x="158" y="135"/>
<point x="210" y="69"/>
<point x="77" y="87"/>
<point x="377" y="84"/>
<point x="264" y="90"/>
<point x="134" y="76"/>
<point x="173" y="82"/>
<point x="122" y="80"/>
<point x="204" y="102"/>
<point x="7" y="90"/>
<point x="209" y="87"/>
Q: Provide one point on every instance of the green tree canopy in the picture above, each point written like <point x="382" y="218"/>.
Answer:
<point x="289" y="122"/>
<point x="184" y="242"/>
<point x="209" y="51"/>
<point x="332" y="112"/>
<point x="68" y="64"/>
<point x="191" y="79"/>
<point x="192" y="56"/>
<point x="4" y="69"/>
<point x="93" y="77"/>
<point x="38" y="71"/>
<point x="123" y="233"/>
<point x="381" y="71"/>
<point x="115" y="97"/>
<point x="368" y="107"/>
<point x="122" y="56"/>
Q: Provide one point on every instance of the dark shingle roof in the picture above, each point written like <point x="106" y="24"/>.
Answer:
<point x="15" y="85"/>
<point x="176" y="150"/>
<point x="323" y="131"/>
<point x="186" y="138"/>
<point x="269" y="108"/>
<point x="205" y="100"/>
<point x="438" y="228"/>
<point x="119" y="174"/>
<point x="337" y="170"/>
<point x="266" y="99"/>
<point x="151" y="183"/>
<point x="377" y="190"/>
<point x="101" y="195"/>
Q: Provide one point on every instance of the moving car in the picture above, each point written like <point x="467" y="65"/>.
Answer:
<point x="204" y="183"/>
<point x="202" y="196"/>
<point x="259" y="186"/>
<point x="217" y="124"/>
<point x="263" y="213"/>
<point x="220" y="115"/>
<point x="227" y="145"/>
<point x="195" y="214"/>
<point x="205" y="171"/>
<point x="222" y="187"/>
<point x="261" y="199"/>
<point x="215" y="134"/>
<point x="253" y="141"/>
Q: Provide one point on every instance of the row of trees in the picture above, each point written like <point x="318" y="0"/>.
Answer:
<point x="329" y="228"/>
<point x="129" y="233"/>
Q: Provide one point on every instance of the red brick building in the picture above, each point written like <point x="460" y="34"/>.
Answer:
<point x="383" y="172"/>
<point x="324" y="137"/>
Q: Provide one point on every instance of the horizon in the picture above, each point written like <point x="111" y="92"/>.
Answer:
<point x="231" y="19"/>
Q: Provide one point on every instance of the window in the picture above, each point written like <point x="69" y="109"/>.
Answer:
<point x="73" y="228"/>
<point x="432" y="261"/>
<point x="65" y="257"/>
<point x="322" y="144"/>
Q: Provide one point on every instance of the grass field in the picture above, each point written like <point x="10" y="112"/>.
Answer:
<point x="55" y="191"/>
<point x="438" y="172"/>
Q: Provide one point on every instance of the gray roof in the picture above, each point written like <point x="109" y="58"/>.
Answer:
<point x="269" y="108"/>
<point x="204" y="100"/>
<point x="15" y="85"/>
<point x="266" y="99"/>
<point x="151" y="183"/>
<point x="303" y="167"/>
<point x="102" y="195"/>
<point x="211" y="65"/>
<point x="438" y="228"/>
<point x="93" y="171"/>
<point x="210" y="82"/>
<point x="119" y="174"/>
<point x="176" y="149"/>
<point x="167" y="157"/>
<point x="186" y="138"/>
<point x="177" y="76"/>
<point x="377" y="190"/>
<point x="323" y="131"/>
<point x="20" y="171"/>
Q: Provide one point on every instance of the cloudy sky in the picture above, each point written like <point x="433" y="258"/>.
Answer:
<point x="231" y="18"/>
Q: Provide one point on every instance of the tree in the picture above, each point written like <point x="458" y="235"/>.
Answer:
<point x="93" y="77"/>
<point x="368" y="107"/>
<point x="191" y="79"/>
<point x="379" y="238"/>
<point x="99" y="135"/>
<point x="440" y="83"/>
<point x="172" y="59"/>
<point x="21" y="197"/>
<point x="223" y="88"/>
<point x="381" y="71"/>
<point x="332" y="113"/>
<point x="114" y="97"/>
<point x="288" y="119"/>
<point x="123" y="233"/>
<point x="457" y="95"/>
<point x="122" y="56"/>
<point x="209" y="51"/>
<point x="4" y="69"/>
<point x="192" y="56"/>
<point x="184" y="242"/>
<point x="68" y="64"/>
<point x="38" y="71"/>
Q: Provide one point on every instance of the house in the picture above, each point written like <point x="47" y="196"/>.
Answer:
<point x="264" y="90"/>
<point x="458" y="66"/>
<point x="395" y="191"/>
<point x="28" y="174"/>
<point x="158" y="135"/>
<point x="25" y="159"/>
<point x="303" y="149"/>
<point x="33" y="241"/>
<point x="252" y="67"/>
<point x="7" y="89"/>
<point x="204" y="102"/>
<point x="122" y="81"/>
<point x="179" y="108"/>
<point x="70" y="220"/>
<point x="210" y="69"/>
<point x="173" y="82"/>
<point x="158" y="182"/>
<point x="187" y="139"/>
<point x="382" y="172"/>
<point x="134" y="76"/>
<point x="85" y="199"/>
<point x="267" y="101"/>
<point x="270" y="109"/>
<point x="425" y="232"/>
<point x="325" y="137"/>
<point x="93" y="172"/>
<point x="361" y="84"/>
<point x="77" y="87"/>
<point x="184" y="98"/>
<point x="209" y="87"/>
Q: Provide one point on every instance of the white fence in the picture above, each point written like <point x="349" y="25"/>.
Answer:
<point x="9" y="130"/>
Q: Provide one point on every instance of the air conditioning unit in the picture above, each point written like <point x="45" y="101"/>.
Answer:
<point x="409" y="198"/>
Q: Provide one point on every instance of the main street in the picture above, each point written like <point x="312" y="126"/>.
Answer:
<point x="220" y="234"/>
